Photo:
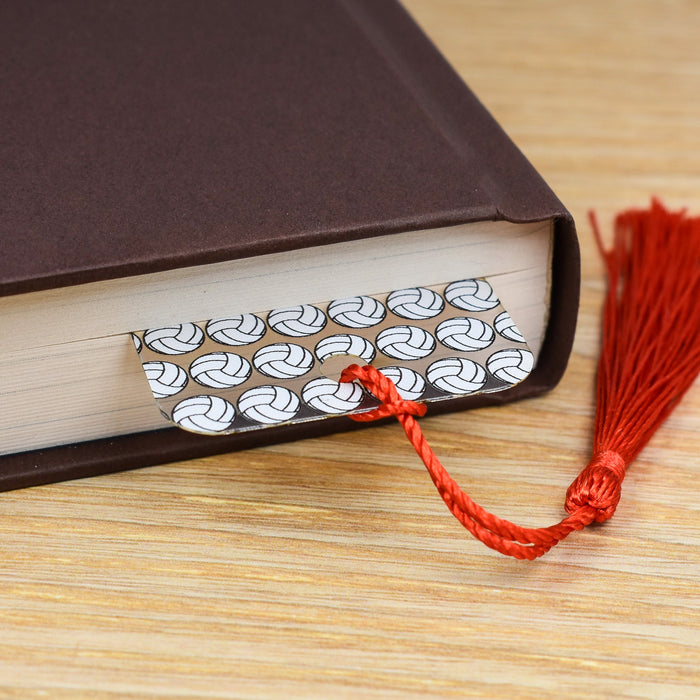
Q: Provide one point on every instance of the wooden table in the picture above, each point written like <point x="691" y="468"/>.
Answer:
<point x="330" y="568"/>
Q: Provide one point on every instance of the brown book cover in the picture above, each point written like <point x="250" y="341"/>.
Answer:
<point x="143" y="136"/>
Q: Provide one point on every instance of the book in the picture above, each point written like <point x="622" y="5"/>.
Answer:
<point x="167" y="164"/>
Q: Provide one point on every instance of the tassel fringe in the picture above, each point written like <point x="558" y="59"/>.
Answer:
<point x="650" y="357"/>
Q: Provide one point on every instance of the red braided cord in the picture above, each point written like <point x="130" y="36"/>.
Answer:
<point x="499" y="534"/>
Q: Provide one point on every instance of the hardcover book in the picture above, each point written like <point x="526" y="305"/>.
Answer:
<point x="207" y="210"/>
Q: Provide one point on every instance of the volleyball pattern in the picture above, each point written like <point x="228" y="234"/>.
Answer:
<point x="405" y="342"/>
<point x="456" y="375"/>
<point x="511" y="365"/>
<point x="269" y="404"/>
<point x="415" y="303"/>
<point x="243" y="329"/>
<point x="331" y="397"/>
<point x="471" y="295"/>
<point x="220" y="370"/>
<point x="409" y="383"/>
<point x="204" y="414"/>
<point x="138" y="344"/>
<point x="297" y="321"/>
<point x="252" y="370"/>
<point x="506" y="327"/>
<point x="357" y="312"/>
<point x="466" y="334"/>
<point x="283" y="360"/>
<point x="165" y="378"/>
<point x="174" y="340"/>
<point x="345" y="344"/>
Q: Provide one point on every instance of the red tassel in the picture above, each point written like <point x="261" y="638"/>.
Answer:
<point x="649" y="359"/>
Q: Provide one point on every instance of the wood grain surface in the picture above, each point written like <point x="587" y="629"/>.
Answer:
<point x="330" y="568"/>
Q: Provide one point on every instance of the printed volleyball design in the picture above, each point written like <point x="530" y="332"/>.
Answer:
<point x="416" y="303"/>
<point x="137" y="342"/>
<point x="283" y="360"/>
<point x="506" y="327"/>
<point x="269" y="404"/>
<point x="357" y="312"/>
<point x="204" y="414"/>
<point x="471" y="295"/>
<point x="345" y="344"/>
<point x="220" y="370"/>
<point x="297" y="321"/>
<point x="174" y="340"/>
<point x="405" y="342"/>
<point x="456" y="375"/>
<point x="252" y="370"/>
<point x="165" y="378"/>
<point x="243" y="329"/>
<point x="326" y="396"/>
<point x="511" y="365"/>
<point x="409" y="383"/>
<point x="468" y="334"/>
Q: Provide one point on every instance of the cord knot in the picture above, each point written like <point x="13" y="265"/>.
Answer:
<point x="598" y="486"/>
<point x="384" y="389"/>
